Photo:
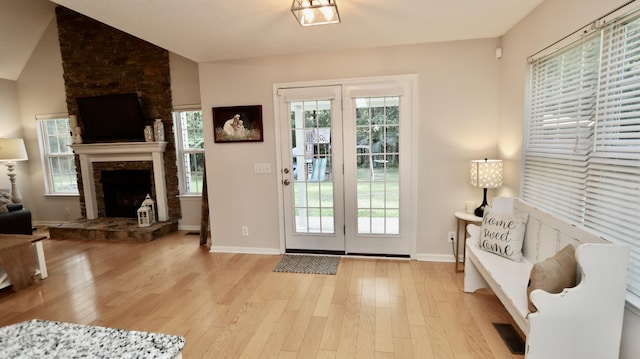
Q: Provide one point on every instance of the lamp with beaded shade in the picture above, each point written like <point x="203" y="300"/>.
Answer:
<point x="485" y="174"/>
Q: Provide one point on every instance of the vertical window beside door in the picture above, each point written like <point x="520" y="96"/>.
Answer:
<point x="582" y="154"/>
<point x="378" y="177"/>
<point x="190" y="146"/>
<point x="54" y="137"/>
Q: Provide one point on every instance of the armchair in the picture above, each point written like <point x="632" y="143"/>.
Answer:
<point x="16" y="221"/>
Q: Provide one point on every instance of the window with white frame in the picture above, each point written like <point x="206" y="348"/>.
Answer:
<point x="58" y="160"/>
<point x="190" y="148"/>
<point x="582" y="154"/>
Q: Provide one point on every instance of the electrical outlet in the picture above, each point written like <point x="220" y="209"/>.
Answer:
<point x="245" y="231"/>
<point x="451" y="236"/>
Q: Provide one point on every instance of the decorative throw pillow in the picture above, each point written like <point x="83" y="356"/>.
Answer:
<point x="553" y="274"/>
<point x="5" y="198"/>
<point x="503" y="234"/>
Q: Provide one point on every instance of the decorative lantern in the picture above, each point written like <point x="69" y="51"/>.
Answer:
<point x="144" y="216"/>
<point x="148" y="202"/>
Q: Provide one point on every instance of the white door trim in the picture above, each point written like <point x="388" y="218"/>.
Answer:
<point x="412" y="81"/>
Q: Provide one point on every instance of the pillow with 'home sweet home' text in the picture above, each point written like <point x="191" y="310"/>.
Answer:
<point x="503" y="234"/>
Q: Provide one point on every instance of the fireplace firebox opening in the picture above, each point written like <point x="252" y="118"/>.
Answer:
<point x="124" y="191"/>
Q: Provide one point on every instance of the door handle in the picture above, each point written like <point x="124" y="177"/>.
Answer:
<point x="286" y="182"/>
<point x="286" y="170"/>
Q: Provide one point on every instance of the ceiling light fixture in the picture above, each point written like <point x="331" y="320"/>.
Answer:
<point x="315" y="12"/>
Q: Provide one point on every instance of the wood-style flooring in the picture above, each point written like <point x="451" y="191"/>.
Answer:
<point x="234" y="306"/>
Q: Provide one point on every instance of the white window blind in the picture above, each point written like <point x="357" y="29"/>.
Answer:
<point x="563" y="89"/>
<point x="613" y="190"/>
<point x="582" y="155"/>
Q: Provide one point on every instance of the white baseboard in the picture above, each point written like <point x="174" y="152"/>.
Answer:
<point x="188" y="227"/>
<point x="46" y="223"/>
<point x="428" y="257"/>
<point x="244" y="250"/>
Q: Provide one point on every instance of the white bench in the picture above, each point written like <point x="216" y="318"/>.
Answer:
<point x="581" y="322"/>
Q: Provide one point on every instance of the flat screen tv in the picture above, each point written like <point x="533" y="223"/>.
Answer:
<point x="111" y="118"/>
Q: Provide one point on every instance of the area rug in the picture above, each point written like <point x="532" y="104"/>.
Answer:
<point x="297" y="263"/>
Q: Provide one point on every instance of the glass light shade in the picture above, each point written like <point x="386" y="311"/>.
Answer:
<point x="486" y="173"/>
<point x="12" y="150"/>
<point x="315" y="12"/>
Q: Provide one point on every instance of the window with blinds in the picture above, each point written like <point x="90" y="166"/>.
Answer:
<point x="582" y="145"/>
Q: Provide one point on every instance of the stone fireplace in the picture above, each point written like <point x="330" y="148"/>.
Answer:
<point x="99" y="60"/>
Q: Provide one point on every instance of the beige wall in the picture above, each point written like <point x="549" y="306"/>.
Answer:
<point x="458" y="118"/>
<point x="185" y="81"/>
<point x="10" y="125"/>
<point x="550" y="22"/>
<point x="41" y="91"/>
<point x="185" y="90"/>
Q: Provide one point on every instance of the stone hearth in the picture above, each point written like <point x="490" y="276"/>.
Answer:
<point x="111" y="229"/>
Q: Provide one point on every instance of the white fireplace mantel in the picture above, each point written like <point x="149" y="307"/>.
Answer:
<point x="119" y="152"/>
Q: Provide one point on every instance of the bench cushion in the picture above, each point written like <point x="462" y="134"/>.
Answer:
<point x="553" y="274"/>
<point x="512" y="278"/>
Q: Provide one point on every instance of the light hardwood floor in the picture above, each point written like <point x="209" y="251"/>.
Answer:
<point x="234" y="306"/>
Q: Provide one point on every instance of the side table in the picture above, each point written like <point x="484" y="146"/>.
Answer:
<point x="16" y="266"/>
<point x="464" y="219"/>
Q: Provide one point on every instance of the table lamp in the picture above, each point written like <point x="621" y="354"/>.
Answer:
<point x="11" y="151"/>
<point x="485" y="174"/>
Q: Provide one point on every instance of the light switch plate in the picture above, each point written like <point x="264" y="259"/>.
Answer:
<point x="262" y="168"/>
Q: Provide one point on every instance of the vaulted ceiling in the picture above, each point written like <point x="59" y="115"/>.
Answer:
<point x="215" y="30"/>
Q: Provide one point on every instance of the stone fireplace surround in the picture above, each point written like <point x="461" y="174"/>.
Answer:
<point x="100" y="60"/>
<point x="122" y="152"/>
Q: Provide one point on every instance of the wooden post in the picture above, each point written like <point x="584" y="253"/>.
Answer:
<point x="204" y="220"/>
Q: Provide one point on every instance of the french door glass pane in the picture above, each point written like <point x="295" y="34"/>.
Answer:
<point x="377" y="160"/>
<point x="312" y="166"/>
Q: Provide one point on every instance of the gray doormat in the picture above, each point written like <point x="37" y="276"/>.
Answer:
<point x="510" y="337"/>
<point x="295" y="263"/>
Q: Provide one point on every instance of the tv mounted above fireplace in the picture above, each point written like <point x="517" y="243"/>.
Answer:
<point x="111" y="118"/>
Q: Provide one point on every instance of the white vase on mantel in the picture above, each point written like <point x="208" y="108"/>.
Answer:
<point x="148" y="133"/>
<point x="158" y="130"/>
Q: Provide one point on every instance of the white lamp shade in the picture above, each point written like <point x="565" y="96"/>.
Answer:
<point x="486" y="173"/>
<point x="12" y="150"/>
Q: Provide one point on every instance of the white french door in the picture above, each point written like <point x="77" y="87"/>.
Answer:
<point x="346" y="168"/>
<point x="377" y="182"/>
<point x="311" y="124"/>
